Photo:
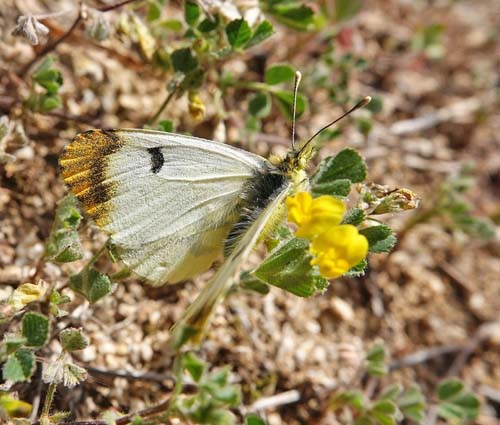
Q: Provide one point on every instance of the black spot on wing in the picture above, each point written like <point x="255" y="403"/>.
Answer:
<point x="157" y="159"/>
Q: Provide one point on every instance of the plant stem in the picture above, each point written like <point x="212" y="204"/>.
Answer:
<point x="179" y="383"/>
<point x="48" y="400"/>
<point x="162" y="107"/>
<point x="114" y="6"/>
<point x="49" y="47"/>
<point x="252" y="85"/>
<point x="96" y="255"/>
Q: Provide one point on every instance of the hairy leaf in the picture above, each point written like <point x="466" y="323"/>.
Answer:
<point x="91" y="284"/>
<point x="35" y="328"/>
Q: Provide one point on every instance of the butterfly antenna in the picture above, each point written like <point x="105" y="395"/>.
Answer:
<point x="298" y="77"/>
<point x="363" y="102"/>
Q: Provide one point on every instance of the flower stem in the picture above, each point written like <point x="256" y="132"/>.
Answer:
<point x="96" y="255"/>
<point x="48" y="400"/>
<point x="165" y="103"/>
<point x="179" y="384"/>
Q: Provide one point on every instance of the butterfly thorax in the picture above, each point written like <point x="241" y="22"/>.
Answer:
<point x="280" y="174"/>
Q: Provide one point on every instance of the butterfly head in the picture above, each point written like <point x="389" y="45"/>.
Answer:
<point x="297" y="158"/>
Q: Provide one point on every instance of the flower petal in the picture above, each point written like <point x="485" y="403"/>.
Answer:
<point x="299" y="207"/>
<point x="338" y="250"/>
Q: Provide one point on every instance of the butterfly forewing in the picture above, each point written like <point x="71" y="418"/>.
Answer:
<point x="168" y="201"/>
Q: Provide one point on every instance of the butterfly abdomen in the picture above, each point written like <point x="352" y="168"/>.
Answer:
<point x="84" y="168"/>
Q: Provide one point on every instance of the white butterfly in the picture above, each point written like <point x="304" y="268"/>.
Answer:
<point x="171" y="203"/>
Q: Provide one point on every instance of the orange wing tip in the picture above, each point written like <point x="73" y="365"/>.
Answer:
<point x="85" y="170"/>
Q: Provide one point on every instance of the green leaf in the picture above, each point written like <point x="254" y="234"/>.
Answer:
<point x="354" y="216"/>
<point x="428" y="39"/>
<point x="347" y="164"/>
<point x="35" y="328"/>
<point x="391" y="393"/>
<point x="171" y="24"/>
<point x="382" y="418"/>
<point x="253" y="419"/>
<point x="11" y="343"/>
<point x="354" y="399"/>
<point x="376" y="354"/>
<point x="364" y="125"/>
<point x="285" y="103"/>
<point x="73" y="374"/>
<point x="59" y="417"/>
<point x="13" y="407"/>
<point x="449" y="389"/>
<point x="219" y="376"/>
<point x="47" y="102"/>
<point x="251" y="283"/>
<point x="289" y="267"/>
<point x="91" y="284"/>
<point x="375" y="361"/>
<point x="384" y="412"/>
<point x="63" y="244"/>
<point x="191" y="13"/>
<point x="358" y="270"/>
<point x="19" y="366"/>
<point x="260" y="105"/>
<point x="412" y="404"/>
<point x="363" y="420"/>
<point x="208" y="24"/>
<point x="45" y="65"/>
<point x="194" y="365"/>
<point x="192" y="80"/>
<point x="137" y="420"/>
<point x="227" y="394"/>
<point x="50" y="79"/>
<point x="154" y="11"/>
<point x="56" y="299"/>
<point x="339" y="188"/>
<point x="277" y="74"/>
<point x="477" y="227"/>
<point x="294" y="15"/>
<point x="386" y="407"/>
<point x="263" y="31"/>
<point x="166" y="125"/>
<point x="219" y="417"/>
<point x="253" y="124"/>
<point x="182" y="334"/>
<point x="238" y="33"/>
<point x="183" y="60"/>
<point x="380" y="238"/>
<point x="73" y="339"/>
<point x="346" y="9"/>
<point x="375" y="106"/>
<point x="464" y="406"/>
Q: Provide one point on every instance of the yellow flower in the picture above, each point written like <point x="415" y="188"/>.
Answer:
<point x="336" y="247"/>
<point x="338" y="250"/>
<point x="314" y="216"/>
<point x="27" y="293"/>
<point x="196" y="106"/>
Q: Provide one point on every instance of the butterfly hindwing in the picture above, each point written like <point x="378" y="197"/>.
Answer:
<point x="198" y="313"/>
<point x="167" y="200"/>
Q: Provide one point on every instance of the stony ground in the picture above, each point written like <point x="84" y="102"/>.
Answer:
<point x="439" y="288"/>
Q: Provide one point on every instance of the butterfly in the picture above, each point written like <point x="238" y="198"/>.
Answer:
<point x="173" y="203"/>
